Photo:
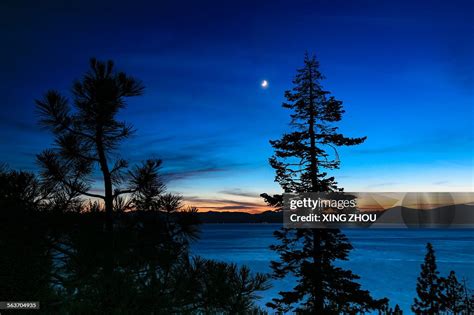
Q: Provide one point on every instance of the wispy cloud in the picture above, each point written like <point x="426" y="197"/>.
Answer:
<point x="222" y="201"/>
<point x="239" y="192"/>
<point x="184" y="157"/>
<point x="439" y="140"/>
<point x="224" y="204"/>
<point x="187" y="173"/>
<point x="15" y="125"/>
<point x="229" y="208"/>
<point x="376" y="185"/>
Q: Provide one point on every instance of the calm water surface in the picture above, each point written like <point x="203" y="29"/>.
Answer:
<point x="388" y="261"/>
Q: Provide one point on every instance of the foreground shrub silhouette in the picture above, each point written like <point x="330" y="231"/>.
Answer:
<point x="437" y="294"/>
<point x="153" y="271"/>
<point x="25" y="262"/>
<point x="122" y="252"/>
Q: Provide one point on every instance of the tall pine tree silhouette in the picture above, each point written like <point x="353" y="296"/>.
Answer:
<point x="299" y="160"/>
<point x="116" y="262"/>
<point x="89" y="133"/>
<point x="452" y="296"/>
<point x="428" y="287"/>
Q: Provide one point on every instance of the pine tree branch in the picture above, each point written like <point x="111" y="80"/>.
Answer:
<point x="125" y="191"/>
<point x="91" y="195"/>
<point x="79" y="133"/>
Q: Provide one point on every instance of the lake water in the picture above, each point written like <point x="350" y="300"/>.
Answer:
<point x="388" y="261"/>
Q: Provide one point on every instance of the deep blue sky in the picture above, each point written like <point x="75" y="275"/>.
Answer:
<point x="404" y="70"/>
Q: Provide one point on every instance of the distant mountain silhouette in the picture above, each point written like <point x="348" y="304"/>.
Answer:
<point x="455" y="216"/>
<point x="449" y="216"/>
<point x="241" y="217"/>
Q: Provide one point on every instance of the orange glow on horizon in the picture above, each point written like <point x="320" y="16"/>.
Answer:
<point x="206" y="205"/>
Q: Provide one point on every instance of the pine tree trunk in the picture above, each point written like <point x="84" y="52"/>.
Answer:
<point x="318" y="293"/>
<point x="108" y="200"/>
<point x="313" y="155"/>
<point x="318" y="283"/>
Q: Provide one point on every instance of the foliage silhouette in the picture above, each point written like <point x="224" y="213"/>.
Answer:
<point x="58" y="257"/>
<point x="428" y="286"/>
<point x="300" y="157"/>
<point x="438" y="294"/>
<point x="87" y="134"/>
<point x="126" y="251"/>
<point x="453" y="295"/>
<point x="397" y="310"/>
<point x="25" y="263"/>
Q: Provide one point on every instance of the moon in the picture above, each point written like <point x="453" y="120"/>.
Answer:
<point x="264" y="84"/>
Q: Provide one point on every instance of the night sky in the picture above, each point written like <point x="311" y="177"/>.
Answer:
<point x="404" y="70"/>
